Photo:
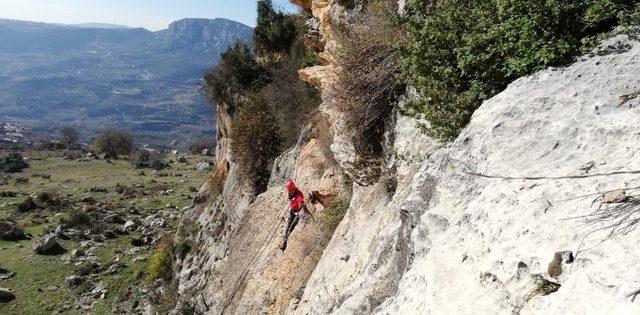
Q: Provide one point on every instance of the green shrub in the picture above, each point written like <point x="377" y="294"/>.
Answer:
<point x="333" y="215"/>
<point x="275" y="31"/>
<point x="462" y="53"/>
<point x="77" y="219"/>
<point x="12" y="163"/>
<point x="149" y="159"/>
<point x="113" y="143"/>
<point x="162" y="260"/>
<point x="183" y="247"/>
<point x="236" y="74"/>
<point x="255" y="142"/>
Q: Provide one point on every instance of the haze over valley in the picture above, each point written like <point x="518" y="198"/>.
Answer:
<point x="97" y="76"/>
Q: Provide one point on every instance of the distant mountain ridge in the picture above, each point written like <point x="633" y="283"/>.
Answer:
<point x="146" y="82"/>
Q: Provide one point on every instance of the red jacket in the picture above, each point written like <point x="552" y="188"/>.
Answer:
<point x="296" y="197"/>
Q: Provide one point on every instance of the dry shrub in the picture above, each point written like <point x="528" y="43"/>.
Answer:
<point x="367" y="88"/>
<point x="217" y="179"/>
<point x="162" y="260"/>
<point x="255" y="142"/>
<point x="289" y="99"/>
<point x="201" y="144"/>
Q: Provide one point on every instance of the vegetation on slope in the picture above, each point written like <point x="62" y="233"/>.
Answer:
<point x="460" y="54"/>
<point x="65" y="190"/>
<point x="263" y="91"/>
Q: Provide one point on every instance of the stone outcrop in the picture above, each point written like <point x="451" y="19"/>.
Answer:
<point x="46" y="245"/>
<point x="495" y="222"/>
<point x="10" y="231"/>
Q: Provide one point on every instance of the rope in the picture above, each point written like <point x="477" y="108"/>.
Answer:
<point x="250" y="264"/>
<point x="550" y="177"/>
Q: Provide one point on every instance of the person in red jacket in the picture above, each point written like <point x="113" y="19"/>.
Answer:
<point x="296" y="204"/>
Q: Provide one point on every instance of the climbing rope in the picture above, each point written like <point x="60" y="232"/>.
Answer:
<point x="550" y="177"/>
<point x="247" y="268"/>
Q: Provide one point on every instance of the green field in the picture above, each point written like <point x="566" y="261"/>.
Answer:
<point x="39" y="284"/>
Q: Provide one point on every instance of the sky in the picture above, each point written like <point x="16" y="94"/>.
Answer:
<point x="150" y="14"/>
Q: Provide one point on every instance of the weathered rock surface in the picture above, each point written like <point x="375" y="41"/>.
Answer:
<point x="46" y="245"/>
<point x="483" y="245"/>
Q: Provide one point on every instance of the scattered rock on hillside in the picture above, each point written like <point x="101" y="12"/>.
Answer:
<point x="10" y="231"/>
<point x="129" y="226"/>
<point x="89" y="200"/>
<point x="114" y="218"/>
<point x="6" y="274"/>
<point x="203" y="167"/>
<point x="74" y="281"/>
<point x="46" y="245"/>
<point x="181" y="159"/>
<point x="6" y="295"/>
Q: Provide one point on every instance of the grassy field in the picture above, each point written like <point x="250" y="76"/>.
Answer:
<point x="39" y="284"/>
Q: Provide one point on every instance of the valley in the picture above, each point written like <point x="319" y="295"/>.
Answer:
<point x="95" y="78"/>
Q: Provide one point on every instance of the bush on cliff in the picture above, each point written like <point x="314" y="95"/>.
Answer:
<point x="333" y="215"/>
<point x="255" y="142"/>
<point x="367" y="89"/>
<point x="237" y="73"/>
<point x="462" y="53"/>
<point x="162" y="259"/>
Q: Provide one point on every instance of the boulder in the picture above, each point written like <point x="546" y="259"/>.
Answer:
<point x="10" y="231"/>
<point x="77" y="253"/>
<point x="114" y="218"/>
<point x="203" y="167"/>
<point x="89" y="200"/>
<point x="181" y="159"/>
<point x="129" y="226"/>
<point x="74" y="281"/>
<point x="6" y="295"/>
<point x="46" y="244"/>
<point x="109" y="234"/>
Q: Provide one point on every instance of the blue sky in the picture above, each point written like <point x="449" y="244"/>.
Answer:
<point x="151" y="14"/>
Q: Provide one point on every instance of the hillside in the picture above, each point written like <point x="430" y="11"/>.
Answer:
<point x="146" y="82"/>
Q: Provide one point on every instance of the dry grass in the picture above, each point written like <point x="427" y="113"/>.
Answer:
<point x="217" y="179"/>
<point x="367" y="87"/>
<point x="618" y="219"/>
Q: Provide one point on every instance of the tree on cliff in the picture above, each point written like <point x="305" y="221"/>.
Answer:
<point x="255" y="142"/>
<point x="275" y="31"/>
<point x="236" y="74"/>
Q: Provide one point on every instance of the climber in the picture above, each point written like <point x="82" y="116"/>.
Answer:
<point x="296" y="204"/>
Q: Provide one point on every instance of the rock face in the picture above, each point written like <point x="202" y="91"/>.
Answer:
<point x="497" y="222"/>
<point x="487" y="244"/>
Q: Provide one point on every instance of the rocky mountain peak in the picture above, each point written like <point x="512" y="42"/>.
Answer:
<point x="201" y="34"/>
